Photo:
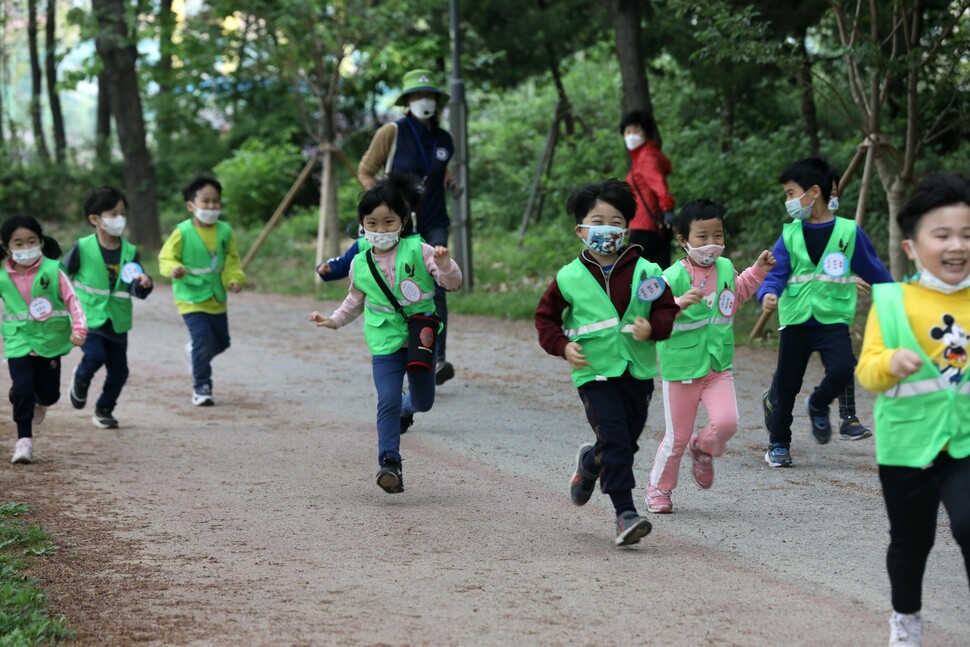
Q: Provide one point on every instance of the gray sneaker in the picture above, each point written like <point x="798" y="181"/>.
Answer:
<point x="583" y="483"/>
<point x="390" y="478"/>
<point x="631" y="528"/>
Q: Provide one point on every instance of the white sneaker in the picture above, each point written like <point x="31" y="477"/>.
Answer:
<point x="40" y="412"/>
<point x="23" y="452"/>
<point x="905" y="630"/>
<point x="202" y="399"/>
<point x="188" y="355"/>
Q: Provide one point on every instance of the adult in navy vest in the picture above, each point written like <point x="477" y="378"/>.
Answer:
<point x="418" y="145"/>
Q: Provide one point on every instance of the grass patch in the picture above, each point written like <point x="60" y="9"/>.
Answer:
<point x="24" y="617"/>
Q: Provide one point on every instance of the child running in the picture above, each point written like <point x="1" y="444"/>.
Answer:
<point x="107" y="273"/>
<point x="202" y="258"/>
<point x="915" y="356"/>
<point x="394" y="260"/>
<point x="813" y="286"/>
<point x="604" y="313"/>
<point x="42" y="319"/>
<point x="696" y="362"/>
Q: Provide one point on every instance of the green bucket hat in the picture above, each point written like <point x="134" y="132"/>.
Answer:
<point x="419" y="81"/>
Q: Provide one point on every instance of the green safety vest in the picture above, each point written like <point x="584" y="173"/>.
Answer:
<point x="203" y="277"/>
<point x="102" y="301"/>
<point x="825" y="291"/>
<point x="593" y="322"/>
<point x="23" y="333"/>
<point x="703" y="336"/>
<point x="385" y="330"/>
<point x="923" y="413"/>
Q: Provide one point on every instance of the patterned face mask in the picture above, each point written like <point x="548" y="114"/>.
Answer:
<point x="604" y="239"/>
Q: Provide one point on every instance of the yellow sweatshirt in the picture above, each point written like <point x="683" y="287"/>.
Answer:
<point x="170" y="257"/>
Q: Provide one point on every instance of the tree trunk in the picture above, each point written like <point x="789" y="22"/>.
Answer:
<point x="329" y="210"/>
<point x="627" y="17"/>
<point x="898" y="262"/>
<point x="102" y="132"/>
<point x="116" y="47"/>
<point x="35" y="80"/>
<point x="57" y="117"/>
<point x="164" y="121"/>
<point x="809" y="112"/>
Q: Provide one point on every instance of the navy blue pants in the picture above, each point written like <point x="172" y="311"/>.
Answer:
<point x="113" y="356"/>
<point x="617" y="411"/>
<point x="434" y="237"/>
<point x="834" y="346"/>
<point x="36" y="380"/>
<point x="210" y="336"/>
<point x="389" y="371"/>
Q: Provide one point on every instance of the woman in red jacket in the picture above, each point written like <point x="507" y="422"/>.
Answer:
<point x="649" y="169"/>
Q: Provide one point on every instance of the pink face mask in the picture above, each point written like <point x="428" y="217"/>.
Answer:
<point x="705" y="255"/>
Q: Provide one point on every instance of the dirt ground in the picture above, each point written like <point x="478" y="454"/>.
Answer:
<point x="258" y="521"/>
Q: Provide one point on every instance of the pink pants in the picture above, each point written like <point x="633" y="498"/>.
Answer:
<point x="681" y="400"/>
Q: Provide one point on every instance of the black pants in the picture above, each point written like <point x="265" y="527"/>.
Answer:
<point x="913" y="498"/>
<point x="36" y="380"/>
<point x="617" y="411"/>
<point x="834" y="346"/>
<point x="656" y="248"/>
<point x="439" y="236"/>
<point x="112" y="354"/>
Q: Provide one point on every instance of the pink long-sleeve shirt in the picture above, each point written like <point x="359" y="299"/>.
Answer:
<point x="448" y="277"/>
<point x="24" y="281"/>
<point x="746" y="284"/>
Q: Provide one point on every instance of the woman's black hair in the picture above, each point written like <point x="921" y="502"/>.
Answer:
<point x="49" y="246"/>
<point x="639" y="118"/>
<point x="932" y="192"/>
<point x="400" y="192"/>
<point x="697" y="210"/>
<point x="612" y="191"/>
<point x="104" y="198"/>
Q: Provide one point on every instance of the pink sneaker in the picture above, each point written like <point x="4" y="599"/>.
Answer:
<point x="702" y="466"/>
<point x="658" y="501"/>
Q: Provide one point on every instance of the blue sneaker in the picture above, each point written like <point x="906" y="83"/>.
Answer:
<point x="819" y="418"/>
<point x="852" y="429"/>
<point x="778" y="456"/>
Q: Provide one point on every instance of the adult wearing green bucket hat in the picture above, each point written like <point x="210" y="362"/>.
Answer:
<point x="418" y="145"/>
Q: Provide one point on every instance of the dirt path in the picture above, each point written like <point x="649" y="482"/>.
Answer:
<point x="257" y="522"/>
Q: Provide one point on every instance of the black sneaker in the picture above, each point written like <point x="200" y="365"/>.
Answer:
<point x="819" y="418"/>
<point x="583" y="483"/>
<point x="78" y="393"/>
<point x="390" y="478"/>
<point x="852" y="429"/>
<point x="766" y="410"/>
<point x="443" y="373"/>
<point x="406" y="422"/>
<point x="778" y="456"/>
<point x="104" y="420"/>
<point x="631" y="528"/>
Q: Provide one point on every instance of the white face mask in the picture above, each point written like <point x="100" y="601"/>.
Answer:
<point x="26" y="256"/>
<point x="706" y="254"/>
<point x="933" y="282"/>
<point x="208" y="216"/>
<point x="114" y="226"/>
<point x="796" y="210"/>
<point x="423" y="108"/>
<point x="633" y="141"/>
<point x="383" y="241"/>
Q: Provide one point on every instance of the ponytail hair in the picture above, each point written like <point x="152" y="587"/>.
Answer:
<point x="48" y="245"/>
<point x="400" y="192"/>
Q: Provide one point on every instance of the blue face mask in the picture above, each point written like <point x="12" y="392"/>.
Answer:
<point x="796" y="210"/>
<point x="604" y="239"/>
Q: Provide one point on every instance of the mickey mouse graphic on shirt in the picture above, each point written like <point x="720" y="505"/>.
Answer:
<point x="955" y="338"/>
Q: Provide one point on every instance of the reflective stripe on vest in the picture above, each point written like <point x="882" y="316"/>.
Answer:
<point x="101" y="293"/>
<point x="24" y="316"/>
<point x="370" y="305"/>
<point x="593" y="327"/>
<point x="923" y="387"/>
<point x="805" y="278"/>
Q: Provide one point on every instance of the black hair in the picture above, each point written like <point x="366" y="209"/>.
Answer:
<point x="49" y="246"/>
<point x="198" y="182"/>
<point x="612" y="191"/>
<point x="810" y="172"/>
<point x="401" y="192"/>
<point x="104" y="198"/>
<point x="697" y="210"/>
<point x="932" y="192"/>
<point x="639" y="118"/>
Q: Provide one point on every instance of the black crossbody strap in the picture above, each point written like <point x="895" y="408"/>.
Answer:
<point x="383" y="284"/>
<point x="658" y="221"/>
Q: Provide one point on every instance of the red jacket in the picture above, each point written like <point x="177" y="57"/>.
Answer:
<point x="548" y="320"/>
<point x="649" y="169"/>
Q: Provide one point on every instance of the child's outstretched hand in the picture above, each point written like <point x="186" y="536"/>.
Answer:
<point x="904" y="363"/>
<point x="145" y="280"/>
<point x="178" y="272"/>
<point x="441" y="256"/>
<point x="692" y="297"/>
<point x="323" y="268"/>
<point x="77" y="339"/>
<point x="323" y="322"/>
<point x="235" y="287"/>
<point x="769" y="302"/>
<point x="766" y="261"/>
<point x="574" y="355"/>
<point x="863" y="289"/>
<point x="641" y="329"/>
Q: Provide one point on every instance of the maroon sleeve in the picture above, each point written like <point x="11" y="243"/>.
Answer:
<point x="549" y="321"/>
<point x="663" y="311"/>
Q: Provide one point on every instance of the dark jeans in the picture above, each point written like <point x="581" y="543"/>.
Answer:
<point x="389" y="373"/>
<point x="113" y="355"/>
<point x="834" y="346"/>
<point x="656" y="248"/>
<point x="913" y="496"/>
<point x="617" y="411"/>
<point x="210" y="336"/>
<point x="36" y="380"/>
<point x="434" y="237"/>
